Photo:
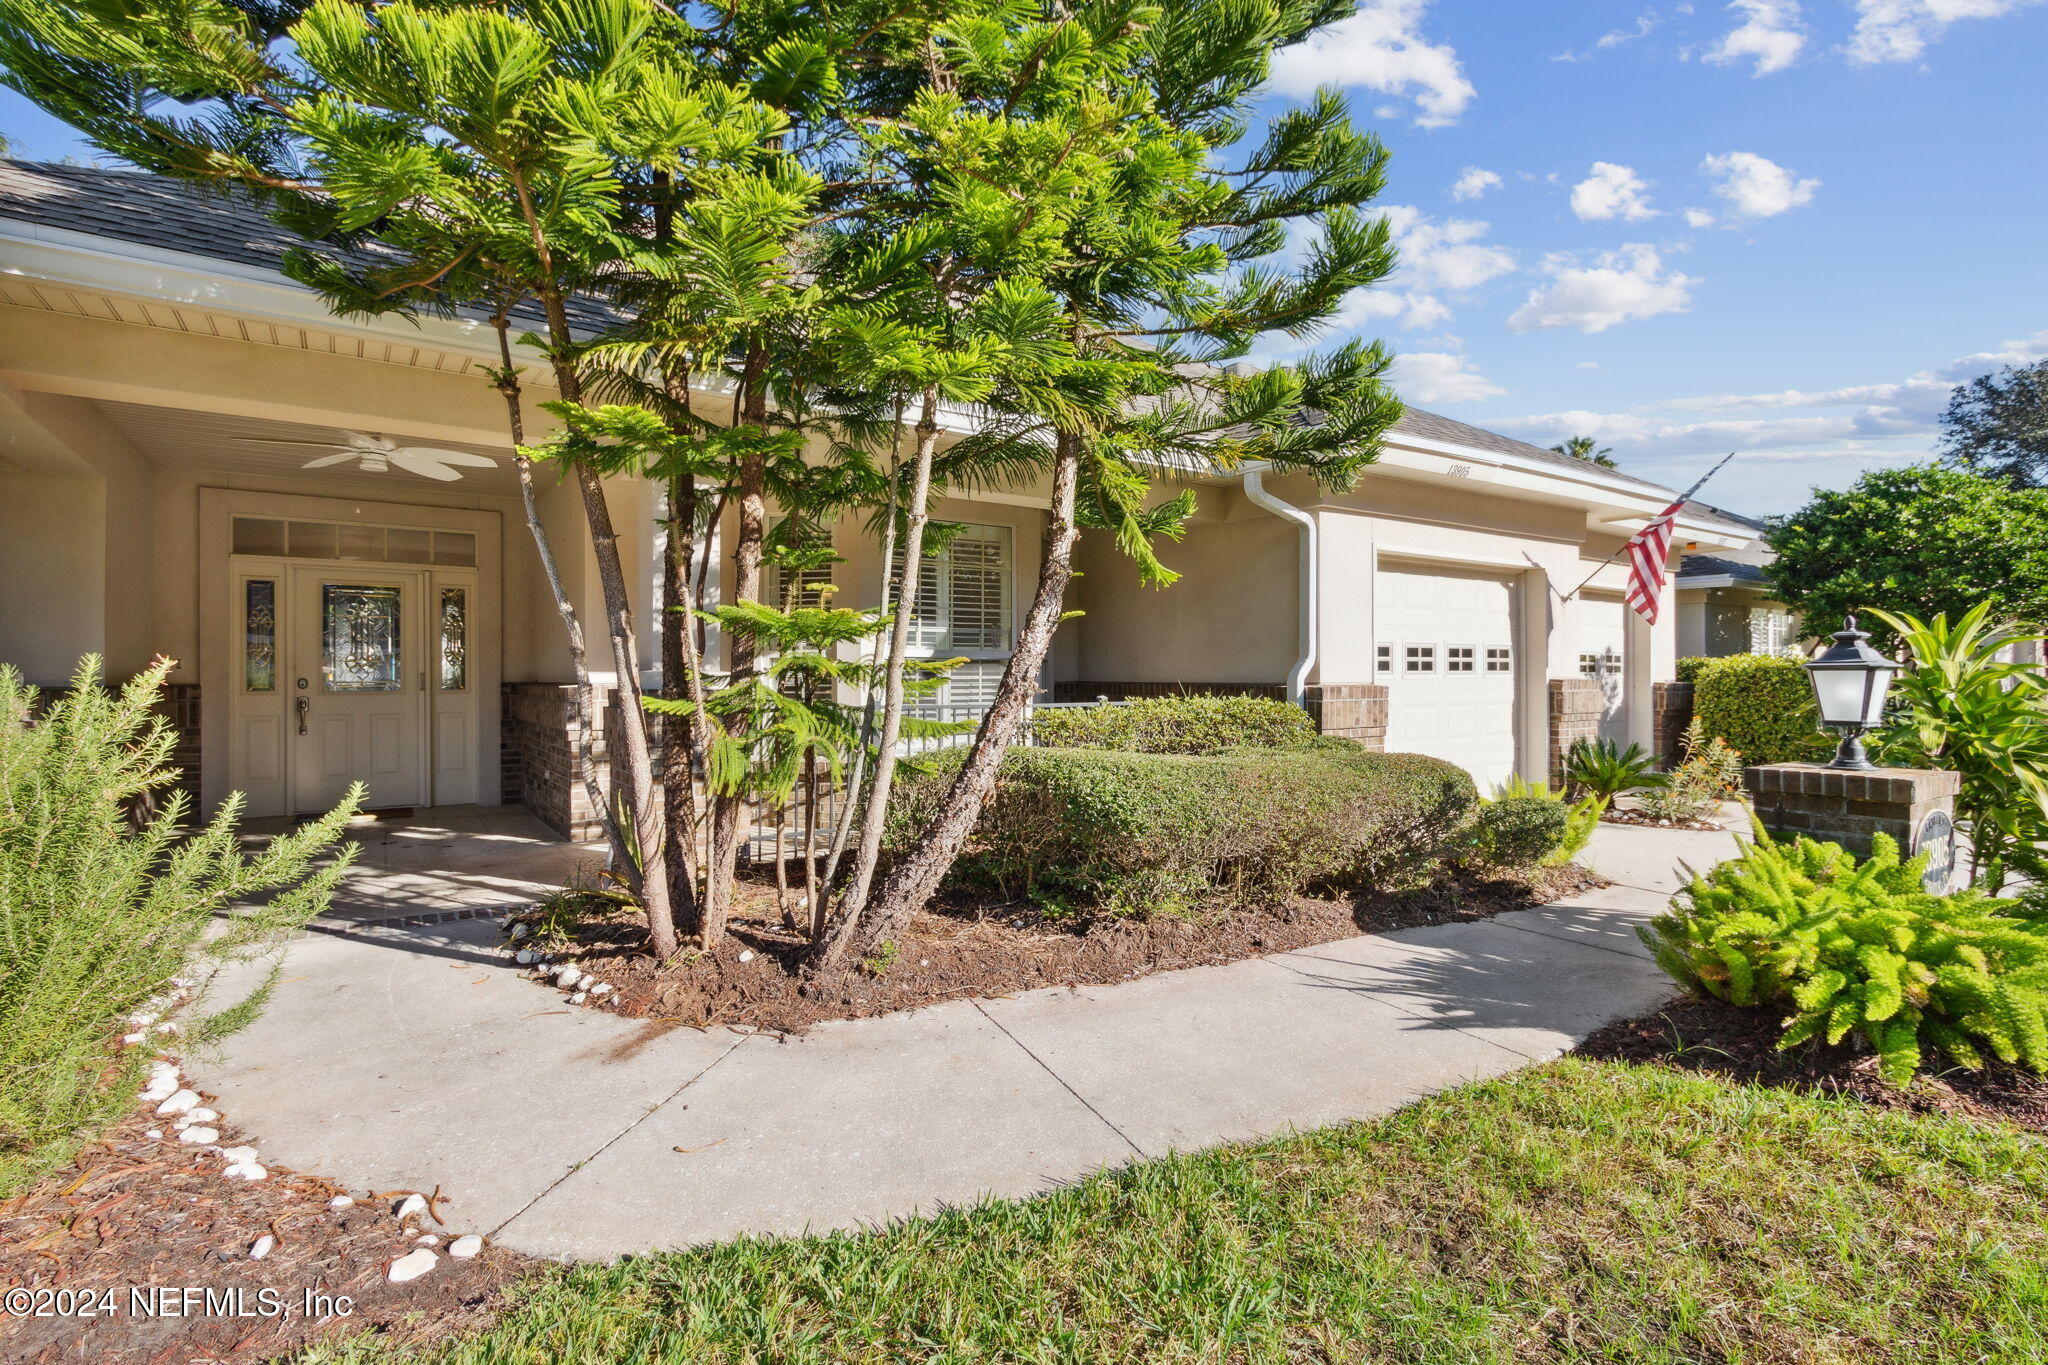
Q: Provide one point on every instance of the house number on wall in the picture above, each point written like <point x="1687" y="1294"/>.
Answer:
<point x="1936" y="837"/>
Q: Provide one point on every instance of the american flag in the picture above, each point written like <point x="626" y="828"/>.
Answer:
<point x="1647" y="551"/>
<point x="1649" y="548"/>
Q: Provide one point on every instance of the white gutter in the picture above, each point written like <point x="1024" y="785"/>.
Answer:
<point x="1310" y="575"/>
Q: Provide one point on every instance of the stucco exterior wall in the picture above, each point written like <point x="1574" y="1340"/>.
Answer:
<point x="1231" y="618"/>
<point x="52" y="573"/>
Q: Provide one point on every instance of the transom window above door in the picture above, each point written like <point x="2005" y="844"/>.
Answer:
<point x="350" y="540"/>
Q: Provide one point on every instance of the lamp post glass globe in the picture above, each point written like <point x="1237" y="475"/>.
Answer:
<point x="1850" y="681"/>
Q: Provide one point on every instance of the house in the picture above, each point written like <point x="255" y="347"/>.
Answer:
<point x="1725" y="603"/>
<point x="318" y="520"/>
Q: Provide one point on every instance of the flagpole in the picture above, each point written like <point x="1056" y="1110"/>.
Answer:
<point x="1683" y="498"/>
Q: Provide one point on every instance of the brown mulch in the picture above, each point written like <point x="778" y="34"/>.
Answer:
<point x="962" y="951"/>
<point x="133" y="1218"/>
<point x="1718" y="1039"/>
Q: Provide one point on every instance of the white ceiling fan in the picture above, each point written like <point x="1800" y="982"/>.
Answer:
<point x="375" y="454"/>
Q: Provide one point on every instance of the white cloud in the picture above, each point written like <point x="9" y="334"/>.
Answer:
<point x="1473" y="183"/>
<point x="1770" y="35"/>
<point x="1698" y="218"/>
<point x="1620" y="286"/>
<point x="1612" y="191"/>
<point x="1380" y="47"/>
<point x="1440" y="377"/>
<point x="1886" y="420"/>
<point x="1589" y="365"/>
<point x="1756" y="186"/>
<point x="1445" y="254"/>
<point x="1900" y="30"/>
<point x="1405" y="309"/>
<point x="1646" y="22"/>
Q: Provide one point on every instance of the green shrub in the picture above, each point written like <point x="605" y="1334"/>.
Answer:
<point x="1132" y="832"/>
<point x="1762" y="705"/>
<point x="102" y="906"/>
<point x="1176" y="725"/>
<point x="1844" y="949"/>
<point x="1518" y="831"/>
<point x="1688" y="669"/>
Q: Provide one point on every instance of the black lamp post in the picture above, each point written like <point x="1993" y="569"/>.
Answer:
<point x="1849" y="682"/>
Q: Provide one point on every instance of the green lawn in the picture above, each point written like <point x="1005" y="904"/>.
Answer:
<point x="1577" y="1212"/>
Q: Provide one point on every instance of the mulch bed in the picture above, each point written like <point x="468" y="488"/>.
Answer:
<point x="134" y="1213"/>
<point x="1718" y="1039"/>
<point x="963" y="951"/>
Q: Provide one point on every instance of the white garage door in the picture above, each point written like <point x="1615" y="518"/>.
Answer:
<point x="1603" y="646"/>
<point x="1446" y="653"/>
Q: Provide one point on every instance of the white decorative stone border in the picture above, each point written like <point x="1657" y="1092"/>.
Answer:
<point x="578" y="986"/>
<point x="191" y="1123"/>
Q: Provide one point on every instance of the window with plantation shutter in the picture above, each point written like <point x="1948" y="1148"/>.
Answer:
<point x="804" y="583"/>
<point x="963" y="596"/>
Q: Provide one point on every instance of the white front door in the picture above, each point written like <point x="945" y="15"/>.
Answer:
<point x="1603" y="654"/>
<point x="1446" y="654"/>
<point x="357" y="680"/>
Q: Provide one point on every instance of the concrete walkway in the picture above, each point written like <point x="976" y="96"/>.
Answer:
<point x="412" y="1058"/>
<point x="450" y="862"/>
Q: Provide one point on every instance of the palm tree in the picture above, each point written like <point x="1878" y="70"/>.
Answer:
<point x="1581" y="448"/>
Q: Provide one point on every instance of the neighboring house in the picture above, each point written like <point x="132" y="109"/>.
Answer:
<point x="173" y="480"/>
<point x="1725" y="604"/>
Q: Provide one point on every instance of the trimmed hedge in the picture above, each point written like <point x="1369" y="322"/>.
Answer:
<point x="1176" y="725"/>
<point x="1519" y="831"/>
<point x="1760" y="704"/>
<point x="1143" y="833"/>
<point x="1688" y="669"/>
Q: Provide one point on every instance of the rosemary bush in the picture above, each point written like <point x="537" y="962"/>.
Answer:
<point x="103" y="902"/>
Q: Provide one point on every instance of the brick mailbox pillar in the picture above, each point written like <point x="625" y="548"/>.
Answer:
<point x="1916" y="806"/>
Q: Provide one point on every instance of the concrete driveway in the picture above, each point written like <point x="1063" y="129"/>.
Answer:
<point x="410" y="1057"/>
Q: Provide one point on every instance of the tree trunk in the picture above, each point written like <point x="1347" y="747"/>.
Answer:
<point x="681" y="680"/>
<point x="633" y="780"/>
<point x="916" y="513"/>
<point x="650" y="877"/>
<point x="579" y="657"/>
<point x="913" y="880"/>
<point x="746" y="587"/>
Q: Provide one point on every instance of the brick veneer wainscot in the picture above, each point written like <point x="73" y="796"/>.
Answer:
<point x="1354" y="710"/>
<point x="1670" y="711"/>
<point x="1576" y="706"/>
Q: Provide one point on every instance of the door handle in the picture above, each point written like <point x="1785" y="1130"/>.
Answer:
<point x="299" y="705"/>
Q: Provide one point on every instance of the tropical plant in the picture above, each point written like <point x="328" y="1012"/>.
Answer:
<point x="1602" y="769"/>
<point x="1962" y="704"/>
<point x="1762" y="705"/>
<point x="1924" y="539"/>
<point x="108" y="906"/>
<point x="1589" y="449"/>
<point x="1846" y="948"/>
<point x="1709" y="773"/>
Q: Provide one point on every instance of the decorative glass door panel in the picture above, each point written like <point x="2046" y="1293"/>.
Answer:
<point x="361" y="628"/>
<point x="357" y="685"/>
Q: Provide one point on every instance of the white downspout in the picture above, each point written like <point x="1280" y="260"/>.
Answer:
<point x="1310" y="575"/>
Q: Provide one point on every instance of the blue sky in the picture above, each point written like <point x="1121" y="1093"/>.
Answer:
<point x="1873" y="173"/>
<point x="1781" y="227"/>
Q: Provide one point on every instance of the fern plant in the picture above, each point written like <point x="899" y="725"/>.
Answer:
<point x="102" y="905"/>
<point x="1861" y="948"/>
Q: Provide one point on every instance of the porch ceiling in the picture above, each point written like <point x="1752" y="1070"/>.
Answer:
<point x="218" y="444"/>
